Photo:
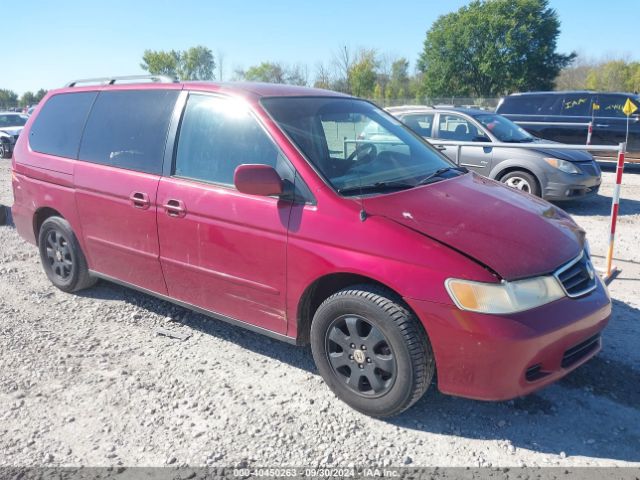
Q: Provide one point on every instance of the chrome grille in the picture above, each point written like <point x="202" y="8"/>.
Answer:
<point x="578" y="277"/>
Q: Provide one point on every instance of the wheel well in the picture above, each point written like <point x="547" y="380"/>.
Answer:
<point x="40" y="216"/>
<point x="519" y="169"/>
<point x="323" y="288"/>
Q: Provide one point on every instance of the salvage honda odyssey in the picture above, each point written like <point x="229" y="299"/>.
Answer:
<point x="262" y="206"/>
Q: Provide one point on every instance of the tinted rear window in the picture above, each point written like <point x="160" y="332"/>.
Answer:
<point x="58" y="127"/>
<point x="529" y="105"/>
<point x="128" y="129"/>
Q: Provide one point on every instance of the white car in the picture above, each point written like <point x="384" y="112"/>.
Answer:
<point x="11" y="124"/>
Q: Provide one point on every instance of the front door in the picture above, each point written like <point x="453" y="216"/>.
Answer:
<point x="456" y="128"/>
<point x="222" y="250"/>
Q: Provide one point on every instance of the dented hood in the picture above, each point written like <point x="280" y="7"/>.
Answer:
<point x="514" y="234"/>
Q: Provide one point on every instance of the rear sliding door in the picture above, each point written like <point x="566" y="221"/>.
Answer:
<point x="116" y="179"/>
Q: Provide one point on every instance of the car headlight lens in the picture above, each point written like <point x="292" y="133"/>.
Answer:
<point x="504" y="297"/>
<point x="562" y="165"/>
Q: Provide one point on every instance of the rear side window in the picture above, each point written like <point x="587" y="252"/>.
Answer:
<point x="422" y="124"/>
<point x="58" y="127"/>
<point x="611" y="106"/>
<point x="455" y="127"/>
<point x="576" y="105"/>
<point x="530" y="105"/>
<point x="128" y="129"/>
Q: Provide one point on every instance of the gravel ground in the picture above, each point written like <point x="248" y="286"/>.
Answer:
<point x="85" y="381"/>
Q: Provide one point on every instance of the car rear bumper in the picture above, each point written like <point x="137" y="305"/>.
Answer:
<point x="489" y="357"/>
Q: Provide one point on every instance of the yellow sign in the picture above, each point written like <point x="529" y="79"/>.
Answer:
<point x="629" y="107"/>
<point x="596" y="106"/>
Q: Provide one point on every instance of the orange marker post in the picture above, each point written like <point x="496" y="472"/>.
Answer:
<point x="615" y="205"/>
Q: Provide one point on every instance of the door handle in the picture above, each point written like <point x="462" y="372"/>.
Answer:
<point x="175" y="208"/>
<point x="602" y="125"/>
<point x="140" y="200"/>
<point x="440" y="147"/>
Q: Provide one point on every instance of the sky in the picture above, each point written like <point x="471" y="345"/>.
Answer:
<point x="47" y="44"/>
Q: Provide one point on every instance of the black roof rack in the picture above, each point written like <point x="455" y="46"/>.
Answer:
<point x="125" y="79"/>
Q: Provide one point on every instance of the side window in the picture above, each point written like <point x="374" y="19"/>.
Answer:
<point x="421" y="124"/>
<point x="611" y="106"/>
<point x="576" y="105"/>
<point x="530" y="105"/>
<point x="455" y="127"/>
<point x="128" y="129"/>
<point x="58" y="127"/>
<point x="218" y="134"/>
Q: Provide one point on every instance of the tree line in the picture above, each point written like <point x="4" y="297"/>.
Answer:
<point x="487" y="48"/>
<point x="10" y="99"/>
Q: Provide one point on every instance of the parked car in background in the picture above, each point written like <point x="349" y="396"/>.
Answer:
<point x="10" y="127"/>
<point x="257" y="204"/>
<point x="564" y="116"/>
<point x="554" y="175"/>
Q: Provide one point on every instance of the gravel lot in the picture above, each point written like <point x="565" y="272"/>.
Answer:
<point x="84" y="380"/>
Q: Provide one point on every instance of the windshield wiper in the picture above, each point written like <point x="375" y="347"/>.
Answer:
<point x="375" y="187"/>
<point x="438" y="173"/>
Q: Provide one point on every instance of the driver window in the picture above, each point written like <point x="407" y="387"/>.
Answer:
<point x="455" y="127"/>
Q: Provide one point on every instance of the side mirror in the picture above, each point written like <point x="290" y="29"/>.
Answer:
<point x="481" y="138"/>
<point x="255" y="179"/>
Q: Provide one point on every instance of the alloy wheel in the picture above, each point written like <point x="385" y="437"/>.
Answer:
<point x="518" y="183"/>
<point x="58" y="254"/>
<point x="360" y="355"/>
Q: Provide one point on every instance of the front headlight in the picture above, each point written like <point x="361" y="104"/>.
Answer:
<point x="505" y="297"/>
<point x="562" y="165"/>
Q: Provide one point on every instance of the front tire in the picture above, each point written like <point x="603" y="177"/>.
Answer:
<point x="371" y="350"/>
<point x="521" y="180"/>
<point x="61" y="256"/>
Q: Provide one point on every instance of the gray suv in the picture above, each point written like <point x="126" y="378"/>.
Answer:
<point x="552" y="174"/>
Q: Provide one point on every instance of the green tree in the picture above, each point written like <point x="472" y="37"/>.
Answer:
<point x="269" y="72"/>
<point x="398" y="84"/>
<point x="8" y="99"/>
<point x="40" y="94"/>
<point x="159" y="62"/>
<point x="493" y="47"/>
<point x="362" y="75"/>
<point x="610" y="76"/>
<point x="27" y="99"/>
<point x="196" y="63"/>
<point x="378" y="93"/>
<point x="275" y="72"/>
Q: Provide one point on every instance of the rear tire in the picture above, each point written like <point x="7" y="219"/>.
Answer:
<point x="3" y="215"/>
<point x="521" y="180"/>
<point x="392" y="363"/>
<point x="61" y="256"/>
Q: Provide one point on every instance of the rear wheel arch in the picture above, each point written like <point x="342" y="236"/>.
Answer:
<point x="40" y="216"/>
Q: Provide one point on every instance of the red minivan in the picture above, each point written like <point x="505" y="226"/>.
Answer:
<point x="262" y="206"/>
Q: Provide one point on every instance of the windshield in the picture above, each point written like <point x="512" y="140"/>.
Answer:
<point x="12" y="120"/>
<point x="504" y="129"/>
<point x="356" y="146"/>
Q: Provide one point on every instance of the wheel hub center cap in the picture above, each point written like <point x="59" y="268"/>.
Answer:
<point x="58" y="256"/>
<point x="359" y="356"/>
